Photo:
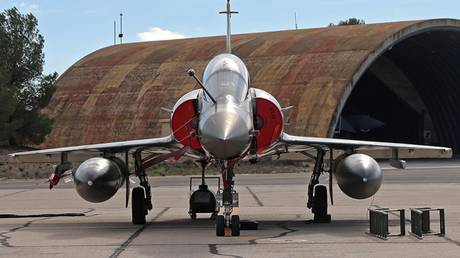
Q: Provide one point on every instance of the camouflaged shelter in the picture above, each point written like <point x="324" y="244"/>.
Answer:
<point x="403" y="76"/>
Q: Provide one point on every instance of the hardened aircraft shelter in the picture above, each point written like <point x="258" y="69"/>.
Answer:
<point x="396" y="81"/>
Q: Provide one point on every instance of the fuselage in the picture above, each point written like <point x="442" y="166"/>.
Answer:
<point x="225" y="128"/>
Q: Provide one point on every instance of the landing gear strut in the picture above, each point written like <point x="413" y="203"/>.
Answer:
<point x="226" y="220"/>
<point x="317" y="194"/>
<point x="142" y="196"/>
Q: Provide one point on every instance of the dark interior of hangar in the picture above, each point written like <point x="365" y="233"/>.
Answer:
<point x="409" y="94"/>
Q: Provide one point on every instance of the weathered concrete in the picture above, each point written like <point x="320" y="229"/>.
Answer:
<point x="277" y="202"/>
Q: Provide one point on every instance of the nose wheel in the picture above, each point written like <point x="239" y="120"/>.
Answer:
<point x="224" y="224"/>
<point x="235" y="225"/>
<point x="220" y="225"/>
<point x="228" y="223"/>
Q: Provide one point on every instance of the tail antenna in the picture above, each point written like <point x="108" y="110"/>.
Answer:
<point x="229" y="13"/>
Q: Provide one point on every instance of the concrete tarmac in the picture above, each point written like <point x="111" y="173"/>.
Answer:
<point x="37" y="222"/>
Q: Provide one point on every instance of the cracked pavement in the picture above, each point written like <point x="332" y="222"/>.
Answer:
<point x="43" y="225"/>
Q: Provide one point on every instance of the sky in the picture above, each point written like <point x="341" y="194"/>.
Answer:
<point x="73" y="29"/>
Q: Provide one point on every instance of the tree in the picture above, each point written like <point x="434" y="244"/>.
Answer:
<point x="350" y="21"/>
<point x="24" y="89"/>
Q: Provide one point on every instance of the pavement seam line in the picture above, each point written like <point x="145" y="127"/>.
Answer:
<point x="18" y="192"/>
<point x="131" y="238"/>
<point x="259" y="202"/>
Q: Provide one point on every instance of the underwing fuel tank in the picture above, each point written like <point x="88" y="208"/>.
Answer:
<point x="359" y="176"/>
<point x="98" y="179"/>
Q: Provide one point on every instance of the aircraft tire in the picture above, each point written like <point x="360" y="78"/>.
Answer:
<point x="220" y="225"/>
<point x="138" y="206"/>
<point x="320" y="201"/>
<point x="235" y="225"/>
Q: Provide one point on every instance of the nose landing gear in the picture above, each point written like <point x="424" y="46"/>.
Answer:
<point x="228" y="223"/>
<point x="223" y="224"/>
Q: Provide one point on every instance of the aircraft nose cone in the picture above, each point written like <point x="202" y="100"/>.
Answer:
<point x="225" y="135"/>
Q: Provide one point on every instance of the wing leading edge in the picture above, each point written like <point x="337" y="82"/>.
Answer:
<point x="344" y="144"/>
<point x="163" y="142"/>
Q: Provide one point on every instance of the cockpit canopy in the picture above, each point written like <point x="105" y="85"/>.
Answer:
<point x="227" y="75"/>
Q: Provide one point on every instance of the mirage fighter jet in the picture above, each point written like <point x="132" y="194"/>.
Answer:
<point x="222" y="123"/>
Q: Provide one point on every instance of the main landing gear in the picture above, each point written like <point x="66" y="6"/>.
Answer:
<point x="317" y="194"/>
<point x="141" y="200"/>
<point x="227" y="221"/>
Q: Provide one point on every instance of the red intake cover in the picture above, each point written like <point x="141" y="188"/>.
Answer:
<point x="182" y="125"/>
<point x="272" y="123"/>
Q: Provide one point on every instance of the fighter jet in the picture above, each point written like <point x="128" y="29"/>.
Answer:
<point x="224" y="122"/>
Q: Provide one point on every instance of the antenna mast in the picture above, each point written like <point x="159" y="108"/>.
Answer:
<point x="229" y="13"/>
<point x="295" y="20"/>
<point x="114" y="32"/>
<point x="121" y="29"/>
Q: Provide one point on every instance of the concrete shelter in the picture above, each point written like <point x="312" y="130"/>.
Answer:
<point x="396" y="81"/>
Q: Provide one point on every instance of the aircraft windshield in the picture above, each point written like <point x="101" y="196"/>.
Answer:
<point x="226" y="75"/>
